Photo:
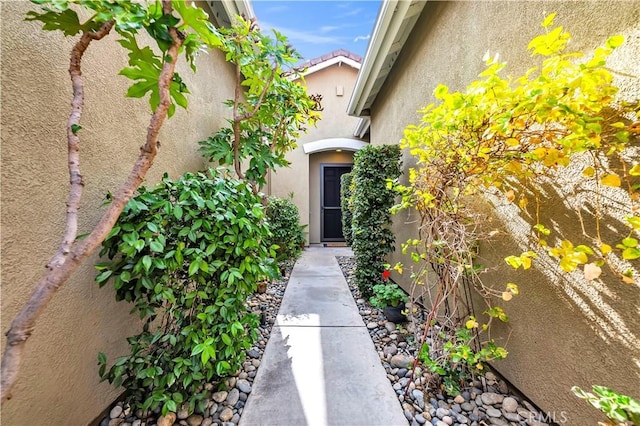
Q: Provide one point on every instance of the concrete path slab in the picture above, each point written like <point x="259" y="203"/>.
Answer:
<point x="320" y="366"/>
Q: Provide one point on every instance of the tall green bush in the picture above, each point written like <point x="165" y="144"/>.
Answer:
<point x="372" y="201"/>
<point x="186" y="254"/>
<point x="346" y="191"/>
<point x="284" y="222"/>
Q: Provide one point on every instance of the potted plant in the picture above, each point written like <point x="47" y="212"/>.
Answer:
<point x="391" y="299"/>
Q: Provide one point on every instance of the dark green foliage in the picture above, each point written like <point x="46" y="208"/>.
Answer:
<point x="346" y="190"/>
<point x="186" y="254"/>
<point x="284" y="222"/>
<point x="372" y="201"/>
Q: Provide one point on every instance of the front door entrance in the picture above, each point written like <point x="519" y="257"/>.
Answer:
<point x="330" y="211"/>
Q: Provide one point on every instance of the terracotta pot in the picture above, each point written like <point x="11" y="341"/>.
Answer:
<point x="394" y="314"/>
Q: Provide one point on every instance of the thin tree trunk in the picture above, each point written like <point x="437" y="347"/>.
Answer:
<point x="71" y="253"/>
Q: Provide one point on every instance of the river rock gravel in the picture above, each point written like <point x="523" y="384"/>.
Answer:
<point x="487" y="400"/>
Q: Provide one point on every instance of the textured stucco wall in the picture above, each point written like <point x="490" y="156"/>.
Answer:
<point x="58" y="381"/>
<point x="562" y="332"/>
<point x="300" y="178"/>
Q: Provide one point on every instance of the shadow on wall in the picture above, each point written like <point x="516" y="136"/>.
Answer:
<point x="607" y="304"/>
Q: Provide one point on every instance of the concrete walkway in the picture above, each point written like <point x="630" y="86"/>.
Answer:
<point x="320" y="366"/>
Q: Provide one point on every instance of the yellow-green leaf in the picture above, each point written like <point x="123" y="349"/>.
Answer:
<point x="513" y="261"/>
<point x="634" y="221"/>
<point x="611" y="180"/>
<point x="605" y="249"/>
<point x="615" y="41"/>
<point x="588" y="172"/>
<point x="441" y="91"/>
<point x="635" y="170"/>
<point x="472" y="323"/>
<point x="548" y="21"/>
<point x="513" y="288"/>
<point x="631" y="253"/>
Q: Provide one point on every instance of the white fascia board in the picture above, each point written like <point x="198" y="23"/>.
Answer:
<point x="361" y="128"/>
<point x="389" y="23"/>
<point x="330" y="62"/>
<point x="238" y="7"/>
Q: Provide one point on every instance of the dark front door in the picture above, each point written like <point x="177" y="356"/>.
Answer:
<point x="331" y="213"/>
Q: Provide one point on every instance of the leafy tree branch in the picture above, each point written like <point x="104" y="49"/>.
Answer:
<point x="173" y="35"/>
<point x="270" y="109"/>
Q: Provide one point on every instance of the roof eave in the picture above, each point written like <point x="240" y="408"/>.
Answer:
<point x="333" y="61"/>
<point x="227" y="10"/>
<point x="395" y="21"/>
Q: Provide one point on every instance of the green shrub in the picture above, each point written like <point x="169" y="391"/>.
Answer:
<point x="284" y="222"/>
<point x="346" y="190"/>
<point x="620" y="409"/>
<point x="186" y="254"/>
<point x="372" y="201"/>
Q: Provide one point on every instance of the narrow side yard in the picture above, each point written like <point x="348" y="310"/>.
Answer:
<point x="487" y="399"/>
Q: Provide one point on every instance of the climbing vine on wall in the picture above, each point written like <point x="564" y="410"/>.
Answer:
<point x="508" y="138"/>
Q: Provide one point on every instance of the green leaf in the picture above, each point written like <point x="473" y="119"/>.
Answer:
<point x="156" y="246"/>
<point x="103" y="276"/>
<point x="194" y="267"/>
<point x="66" y="21"/>
<point x="146" y="262"/>
<point x="75" y="128"/>
<point x="226" y="339"/>
<point x="631" y="253"/>
<point x="171" y="406"/>
<point x="177" y="211"/>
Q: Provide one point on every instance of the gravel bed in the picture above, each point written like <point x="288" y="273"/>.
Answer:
<point x="487" y="400"/>
<point x="223" y="407"/>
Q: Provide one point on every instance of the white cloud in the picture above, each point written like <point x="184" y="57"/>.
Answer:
<point x="277" y="9"/>
<point x="304" y="36"/>
<point x="358" y="38"/>
<point x="350" y="13"/>
<point x="328" y="28"/>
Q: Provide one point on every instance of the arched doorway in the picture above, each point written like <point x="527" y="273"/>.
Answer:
<point x="329" y="159"/>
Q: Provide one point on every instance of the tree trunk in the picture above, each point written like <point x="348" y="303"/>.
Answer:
<point x="71" y="253"/>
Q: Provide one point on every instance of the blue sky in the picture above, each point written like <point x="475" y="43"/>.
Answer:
<point x="318" y="27"/>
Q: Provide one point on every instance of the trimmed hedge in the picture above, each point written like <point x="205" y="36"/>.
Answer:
<point x="283" y="219"/>
<point x="346" y="191"/>
<point x="372" y="201"/>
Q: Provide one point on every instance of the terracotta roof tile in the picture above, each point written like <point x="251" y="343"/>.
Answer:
<point x="328" y="56"/>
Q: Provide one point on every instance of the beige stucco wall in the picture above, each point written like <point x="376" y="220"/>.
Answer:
<point x="301" y="179"/>
<point x="58" y="381"/>
<point x="562" y="332"/>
